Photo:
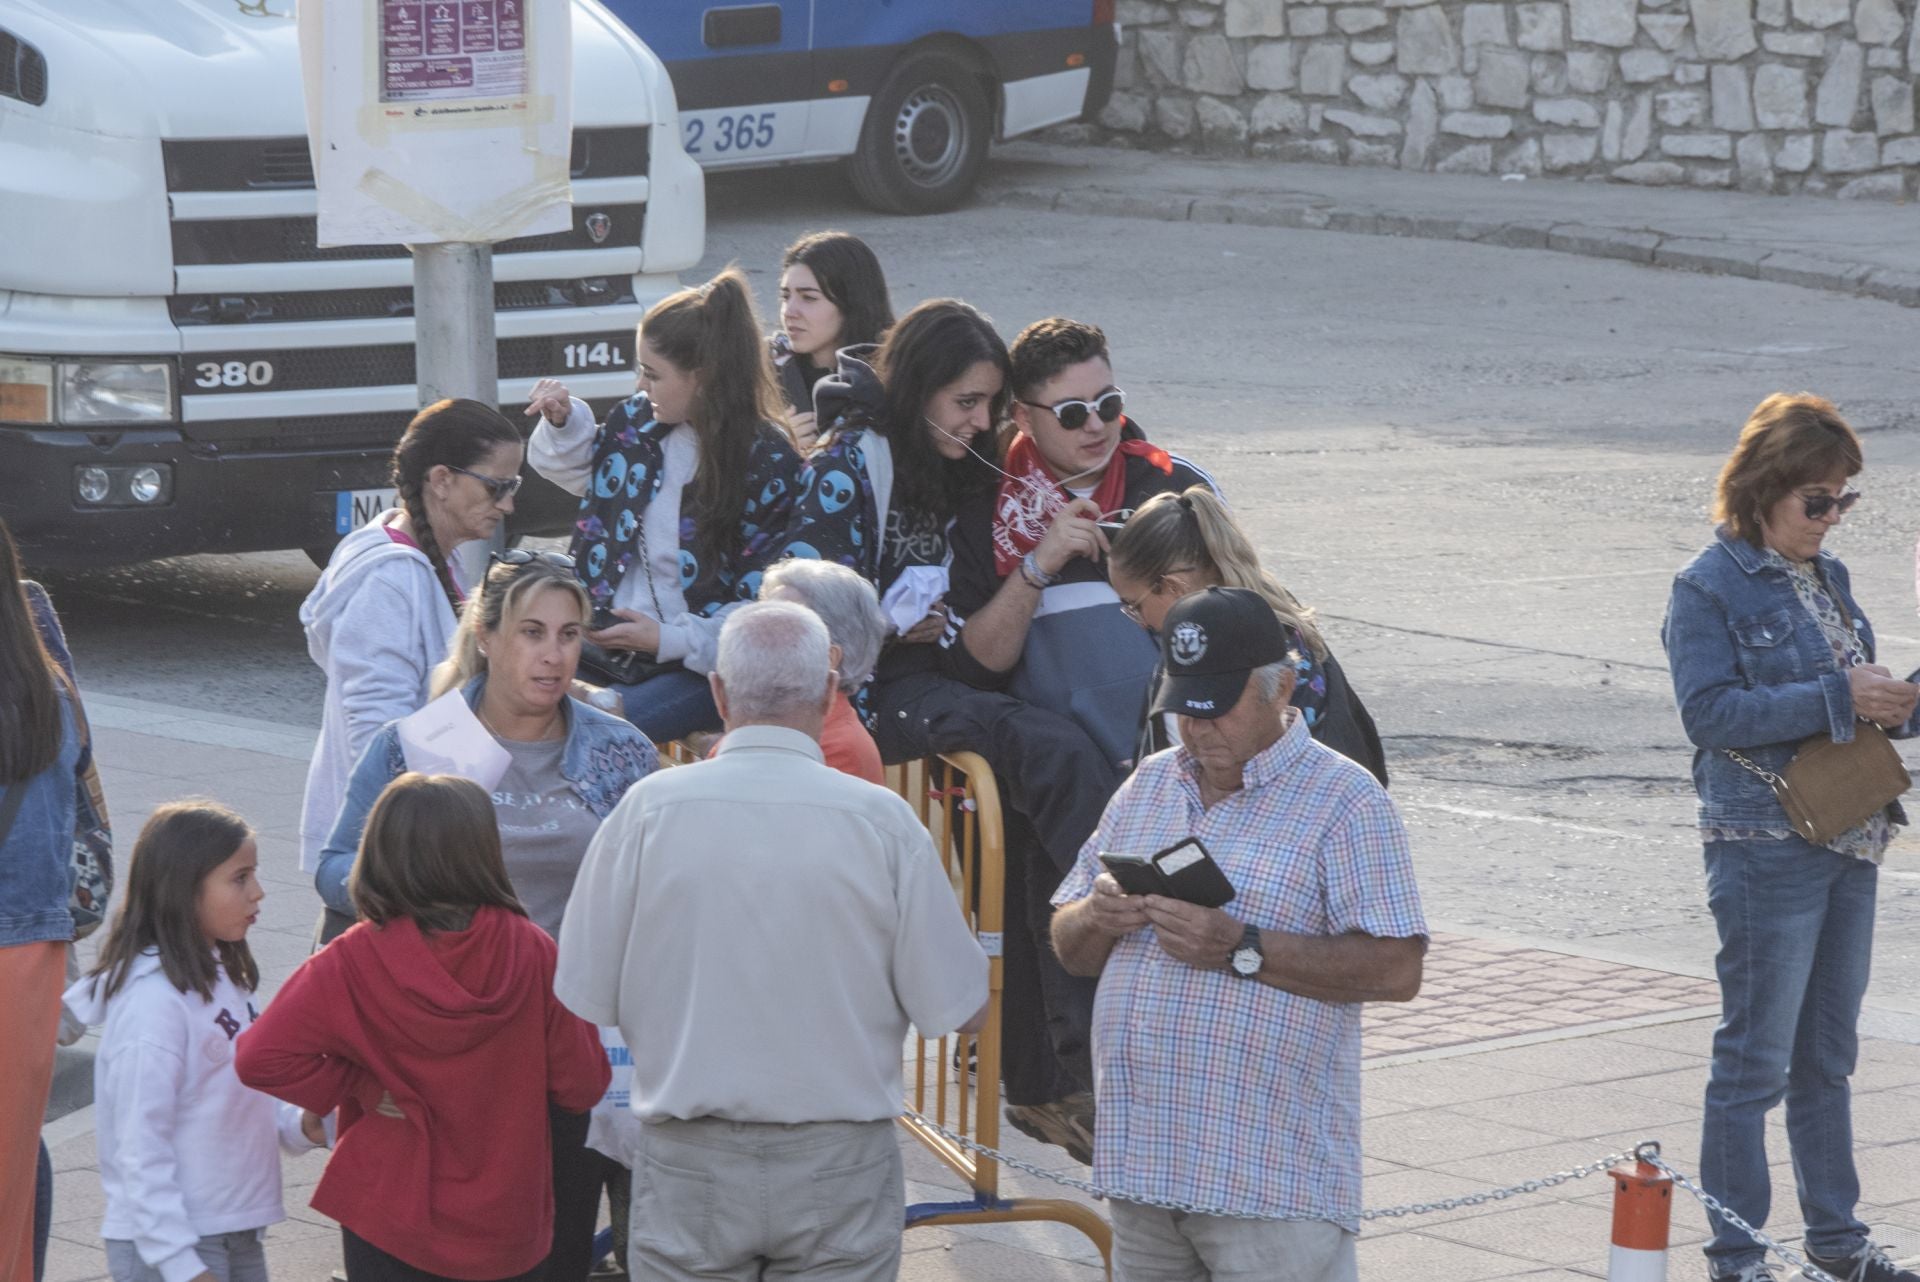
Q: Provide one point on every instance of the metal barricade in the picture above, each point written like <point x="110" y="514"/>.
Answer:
<point x="957" y="799"/>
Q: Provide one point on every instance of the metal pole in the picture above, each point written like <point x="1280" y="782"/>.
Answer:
<point x="454" y="348"/>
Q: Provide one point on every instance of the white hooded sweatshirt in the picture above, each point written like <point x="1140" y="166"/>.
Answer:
<point x="377" y="622"/>
<point x="186" y="1151"/>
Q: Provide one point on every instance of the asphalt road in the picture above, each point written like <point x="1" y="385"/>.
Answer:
<point x="1482" y="465"/>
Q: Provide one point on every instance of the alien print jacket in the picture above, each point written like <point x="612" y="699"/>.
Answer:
<point x="628" y="463"/>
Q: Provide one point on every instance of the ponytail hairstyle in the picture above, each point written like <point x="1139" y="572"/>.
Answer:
<point x="501" y="599"/>
<point x="452" y="433"/>
<point x="850" y="278"/>
<point x="31" y="723"/>
<point x="713" y="332"/>
<point x="931" y="347"/>
<point x="1195" y="531"/>
<point x="182" y="842"/>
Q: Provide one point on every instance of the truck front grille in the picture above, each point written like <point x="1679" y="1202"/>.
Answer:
<point x="279" y="164"/>
<point x="295" y="240"/>
<point x="389" y="365"/>
<point x="382" y="304"/>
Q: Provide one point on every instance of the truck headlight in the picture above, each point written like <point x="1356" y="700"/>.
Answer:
<point x="51" y="391"/>
<point x="115" y="392"/>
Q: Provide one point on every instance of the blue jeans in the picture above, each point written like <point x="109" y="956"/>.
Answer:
<point x="670" y="706"/>
<point x="1796" y="937"/>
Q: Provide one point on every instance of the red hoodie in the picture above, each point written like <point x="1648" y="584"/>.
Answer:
<point x="463" y="1030"/>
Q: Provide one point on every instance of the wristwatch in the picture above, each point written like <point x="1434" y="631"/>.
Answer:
<point x="1245" y="960"/>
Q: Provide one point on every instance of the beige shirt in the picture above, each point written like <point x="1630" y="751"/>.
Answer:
<point x="762" y="929"/>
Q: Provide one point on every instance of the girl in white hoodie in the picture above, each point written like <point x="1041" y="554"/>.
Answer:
<point x="189" y="1157"/>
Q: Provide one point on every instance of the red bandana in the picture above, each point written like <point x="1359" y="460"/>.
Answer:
<point x="1029" y="497"/>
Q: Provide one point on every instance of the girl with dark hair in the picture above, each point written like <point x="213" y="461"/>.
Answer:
<point x="832" y="295"/>
<point x="683" y="492"/>
<point x="1176" y="544"/>
<point x="909" y="434"/>
<point x="383" y="611"/>
<point x="189" y="1157"/>
<point x="433" y="1028"/>
<point x="42" y="757"/>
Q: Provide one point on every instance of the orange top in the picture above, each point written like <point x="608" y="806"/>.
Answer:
<point x="848" y="747"/>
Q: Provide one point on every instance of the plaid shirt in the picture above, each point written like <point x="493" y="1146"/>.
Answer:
<point x="1219" y="1091"/>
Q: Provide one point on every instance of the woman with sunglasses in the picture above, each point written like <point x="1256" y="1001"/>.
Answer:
<point x="1768" y="648"/>
<point x="1176" y="544"/>
<point x="513" y="660"/>
<point x="832" y="295"/>
<point x="684" y="490"/>
<point x="383" y="611"/>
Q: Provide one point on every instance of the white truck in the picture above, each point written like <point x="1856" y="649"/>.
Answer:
<point x="182" y="369"/>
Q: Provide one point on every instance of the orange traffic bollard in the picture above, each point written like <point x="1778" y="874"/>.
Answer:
<point x="1642" y="1216"/>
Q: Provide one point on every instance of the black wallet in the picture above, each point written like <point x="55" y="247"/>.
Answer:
<point x="1183" y="871"/>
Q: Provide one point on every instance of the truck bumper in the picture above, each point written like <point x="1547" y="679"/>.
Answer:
<point x="219" y="502"/>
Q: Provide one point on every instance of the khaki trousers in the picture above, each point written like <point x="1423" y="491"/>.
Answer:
<point x="1152" y="1245"/>
<point x="753" y="1200"/>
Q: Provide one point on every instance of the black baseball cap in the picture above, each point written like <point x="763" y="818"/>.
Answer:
<point x="1209" y="645"/>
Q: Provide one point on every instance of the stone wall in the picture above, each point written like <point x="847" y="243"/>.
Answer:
<point x="1765" y="95"/>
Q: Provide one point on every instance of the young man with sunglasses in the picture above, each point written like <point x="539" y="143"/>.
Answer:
<point x="1036" y="621"/>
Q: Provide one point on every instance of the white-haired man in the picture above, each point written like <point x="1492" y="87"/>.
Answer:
<point x="763" y="928"/>
<point x="1226" y="1041"/>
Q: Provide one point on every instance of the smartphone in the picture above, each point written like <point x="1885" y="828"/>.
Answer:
<point x="602" y="619"/>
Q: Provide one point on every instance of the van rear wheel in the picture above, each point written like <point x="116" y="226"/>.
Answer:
<point x="925" y="138"/>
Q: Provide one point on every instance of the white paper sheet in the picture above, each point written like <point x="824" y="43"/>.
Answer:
<point x="913" y="594"/>
<point x="445" y="738"/>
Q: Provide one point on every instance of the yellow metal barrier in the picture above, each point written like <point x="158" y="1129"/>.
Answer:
<point x="957" y="799"/>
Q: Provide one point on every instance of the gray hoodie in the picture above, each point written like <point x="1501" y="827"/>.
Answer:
<point x="377" y="623"/>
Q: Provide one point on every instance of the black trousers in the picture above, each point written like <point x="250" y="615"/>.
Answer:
<point x="578" y="1175"/>
<point x="1054" y="783"/>
<point x="368" y="1263"/>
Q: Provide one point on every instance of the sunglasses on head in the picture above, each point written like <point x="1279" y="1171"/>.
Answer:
<point x="498" y="487"/>
<point x="1818" y="505"/>
<point x="523" y="556"/>
<point x="1073" y="414"/>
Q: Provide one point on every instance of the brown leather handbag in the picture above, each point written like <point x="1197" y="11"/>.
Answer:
<point x="1830" y="788"/>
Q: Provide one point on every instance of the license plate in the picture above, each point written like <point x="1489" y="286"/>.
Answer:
<point x="592" y="355"/>
<point x="354" y="508"/>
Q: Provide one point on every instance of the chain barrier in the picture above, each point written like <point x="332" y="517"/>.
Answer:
<point x="1812" y="1272"/>
<point x="1381" y="1213"/>
<point x="1648" y="1153"/>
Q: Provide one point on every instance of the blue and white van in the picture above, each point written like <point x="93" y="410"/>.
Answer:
<point x="909" y="92"/>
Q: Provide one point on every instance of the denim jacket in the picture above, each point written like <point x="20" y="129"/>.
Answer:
<point x="603" y="758"/>
<point x="1752" y="671"/>
<point x="36" y="859"/>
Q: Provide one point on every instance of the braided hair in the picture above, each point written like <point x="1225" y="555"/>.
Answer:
<point x="451" y="433"/>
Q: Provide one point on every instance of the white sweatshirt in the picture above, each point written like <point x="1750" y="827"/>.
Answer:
<point x="564" y="455"/>
<point x="186" y="1151"/>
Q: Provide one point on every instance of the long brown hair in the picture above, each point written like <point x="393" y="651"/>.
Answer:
<point x="431" y="853"/>
<point x="849" y="276"/>
<point x="932" y="346"/>
<point x="499" y="601"/>
<point x="451" y="433"/>
<point x="1788" y="441"/>
<point x="712" y="332"/>
<point x="31" y="725"/>
<point x="1194" y="530"/>
<point x="182" y="842"/>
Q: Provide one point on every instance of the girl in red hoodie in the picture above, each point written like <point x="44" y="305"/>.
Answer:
<point x="433" y="1028"/>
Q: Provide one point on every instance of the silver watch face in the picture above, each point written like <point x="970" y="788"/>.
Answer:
<point x="1246" y="961"/>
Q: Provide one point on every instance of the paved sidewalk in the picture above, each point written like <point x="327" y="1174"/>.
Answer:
<point x="1857" y="247"/>
<point x="1515" y="1063"/>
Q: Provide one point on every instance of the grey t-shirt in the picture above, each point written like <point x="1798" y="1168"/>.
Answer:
<point x="544" y="828"/>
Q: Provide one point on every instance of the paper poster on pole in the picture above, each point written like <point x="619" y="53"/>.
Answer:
<point x="438" y="120"/>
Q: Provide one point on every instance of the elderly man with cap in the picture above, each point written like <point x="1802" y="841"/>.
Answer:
<point x="1227" y="1040"/>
